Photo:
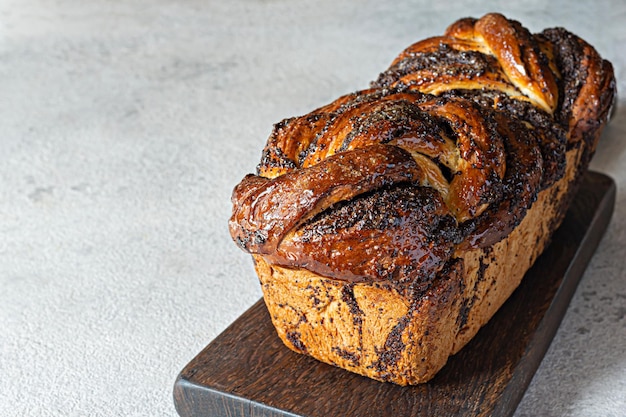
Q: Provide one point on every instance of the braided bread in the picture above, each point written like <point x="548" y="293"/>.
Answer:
<point x="388" y="226"/>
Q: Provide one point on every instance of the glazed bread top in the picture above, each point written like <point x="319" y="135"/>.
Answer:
<point x="446" y="151"/>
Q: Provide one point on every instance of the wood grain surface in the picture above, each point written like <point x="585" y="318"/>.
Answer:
<point x="246" y="371"/>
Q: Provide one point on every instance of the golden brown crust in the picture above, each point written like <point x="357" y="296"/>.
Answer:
<point x="521" y="58"/>
<point x="388" y="226"/>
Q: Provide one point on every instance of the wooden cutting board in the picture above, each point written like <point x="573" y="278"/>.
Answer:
<point x="246" y="371"/>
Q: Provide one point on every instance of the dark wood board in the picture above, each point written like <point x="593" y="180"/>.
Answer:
<point x="247" y="372"/>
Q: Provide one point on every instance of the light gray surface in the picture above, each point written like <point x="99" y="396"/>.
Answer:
<point x="124" y="127"/>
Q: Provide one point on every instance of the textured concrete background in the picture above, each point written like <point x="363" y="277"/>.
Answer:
<point x="124" y="127"/>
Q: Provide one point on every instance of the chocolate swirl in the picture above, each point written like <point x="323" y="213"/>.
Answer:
<point x="446" y="150"/>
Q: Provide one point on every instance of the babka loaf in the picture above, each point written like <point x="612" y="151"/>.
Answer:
<point x="388" y="226"/>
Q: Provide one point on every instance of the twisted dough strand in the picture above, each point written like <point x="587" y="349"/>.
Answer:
<point x="477" y="117"/>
